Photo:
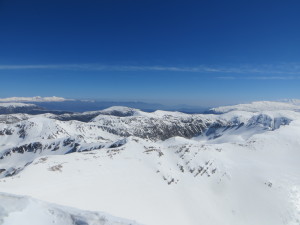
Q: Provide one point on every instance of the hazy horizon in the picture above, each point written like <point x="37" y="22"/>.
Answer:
<point x="164" y="103"/>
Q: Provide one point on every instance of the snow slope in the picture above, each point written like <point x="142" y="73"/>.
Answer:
<point x="160" y="168"/>
<point x="28" y="211"/>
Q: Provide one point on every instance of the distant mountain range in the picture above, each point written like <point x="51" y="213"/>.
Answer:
<point x="74" y="105"/>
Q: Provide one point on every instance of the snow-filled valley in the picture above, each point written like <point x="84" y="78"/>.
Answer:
<point x="238" y="166"/>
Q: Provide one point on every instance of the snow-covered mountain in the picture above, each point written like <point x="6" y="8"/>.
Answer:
<point x="11" y="108"/>
<point x="238" y="167"/>
<point x="18" y="107"/>
<point x="259" y="106"/>
<point x="292" y="101"/>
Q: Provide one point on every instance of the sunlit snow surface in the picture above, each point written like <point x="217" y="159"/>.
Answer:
<point x="24" y="210"/>
<point x="243" y="169"/>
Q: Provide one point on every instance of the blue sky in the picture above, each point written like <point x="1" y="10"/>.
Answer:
<point x="172" y="52"/>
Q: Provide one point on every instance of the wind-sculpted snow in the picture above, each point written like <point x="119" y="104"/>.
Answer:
<point x="235" y="168"/>
<point x="15" y="210"/>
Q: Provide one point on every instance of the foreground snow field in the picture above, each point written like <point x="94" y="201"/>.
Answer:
<point x="27" y="211"/>
<point x="163" y="168"/>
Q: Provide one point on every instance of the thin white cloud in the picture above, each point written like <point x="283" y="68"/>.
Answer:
<point x="274" y="78"/>
<point x="227" y="78"/>
<point x="259" y="78"/>
<point x="284" y="69"/>
<point x="35" y="99"/>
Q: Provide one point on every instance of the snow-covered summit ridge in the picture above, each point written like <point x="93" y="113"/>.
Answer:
<point x="15" y="209"/>
<point x="117" y="111"/>
<point x="34" y="99"/>
<point x="258" y="107"/>
<point x="120" y="111"/>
